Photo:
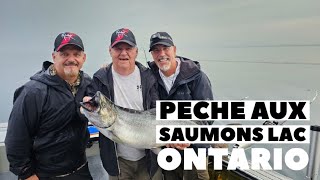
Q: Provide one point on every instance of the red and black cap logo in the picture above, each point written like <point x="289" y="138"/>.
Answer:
<point x="123" y="35"/>
<point x="67" y="38"/>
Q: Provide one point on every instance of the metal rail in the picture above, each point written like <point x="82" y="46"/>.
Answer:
<point x="314" y="155"/>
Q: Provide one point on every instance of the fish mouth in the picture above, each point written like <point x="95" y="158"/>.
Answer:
<point x="92" y="105"/>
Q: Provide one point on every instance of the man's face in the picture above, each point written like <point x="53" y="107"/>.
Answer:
<point x="68" y="61"/>
<point x="123" y="56"/>
<point x="164" y="57"/>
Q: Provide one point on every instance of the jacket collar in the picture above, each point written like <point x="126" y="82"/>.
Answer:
<point x="55" y="81"/>
<point x="107" y="72"/>
<point x="188" y="70"/>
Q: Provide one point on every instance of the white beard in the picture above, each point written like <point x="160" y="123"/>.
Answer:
<point x="71" y="72"/>
<point x="166" y="67"/>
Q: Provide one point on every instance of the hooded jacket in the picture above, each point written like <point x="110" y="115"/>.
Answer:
<point x="191" y="84"/>
<point x="47" y="135"/>
<point x="103" y="81"/>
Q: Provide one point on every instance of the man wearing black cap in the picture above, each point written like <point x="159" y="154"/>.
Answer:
<point x="47" y="135"/>
<point x="131" y="85"/>
<point x="178" y="78"/>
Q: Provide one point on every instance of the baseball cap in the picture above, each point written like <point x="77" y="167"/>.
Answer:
<point x="123" y="35"/>
<point x="67" y="38"/>
<point x="160" y="38"/>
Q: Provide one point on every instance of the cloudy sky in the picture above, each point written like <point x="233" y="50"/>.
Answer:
<point x="206" y="30"/>
<point x="198" y="27"/>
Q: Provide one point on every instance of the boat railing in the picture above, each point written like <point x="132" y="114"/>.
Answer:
<point x="314" y="155"/>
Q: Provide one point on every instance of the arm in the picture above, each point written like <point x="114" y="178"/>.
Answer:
<point x="33" y="177"/>
<point x="201" y="88"/>
<point x="100" y="82"/>
<point x="154" y="95"/>
<point x="22" y="128"/>
<point x="93" y="87"/>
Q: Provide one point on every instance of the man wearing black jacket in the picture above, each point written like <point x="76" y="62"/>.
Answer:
<point x="128" y="84"/>
<point x="178" y="78"/>
<point x="47" y="135"/>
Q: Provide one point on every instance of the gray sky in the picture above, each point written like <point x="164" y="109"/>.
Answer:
<point x="201" y="25"/>
<point x="207" y="30"/>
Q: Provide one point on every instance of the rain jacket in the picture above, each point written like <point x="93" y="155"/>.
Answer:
<point x="103" y="82"/>
<point x="190" y="84"/>
<point x="46" y="133"/>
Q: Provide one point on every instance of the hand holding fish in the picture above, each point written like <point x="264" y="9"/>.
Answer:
<point x="33" y="177"/>
<point x="180" y="146"/>
<point x="127" y="126"/>
<point x="86" y="99"/>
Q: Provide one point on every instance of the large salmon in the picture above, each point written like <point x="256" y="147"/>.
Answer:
<point x="134" y="128"/>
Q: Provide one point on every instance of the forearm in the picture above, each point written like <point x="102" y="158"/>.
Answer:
<point x="20" y="166"/>
<point x="202" y="89"/>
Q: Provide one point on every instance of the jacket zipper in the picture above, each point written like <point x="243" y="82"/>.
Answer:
<point x="115" y="148"/>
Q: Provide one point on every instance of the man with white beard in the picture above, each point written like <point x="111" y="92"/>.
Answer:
<point x="178" y="78"/>
<point x="47" y="135"/>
